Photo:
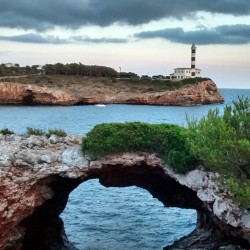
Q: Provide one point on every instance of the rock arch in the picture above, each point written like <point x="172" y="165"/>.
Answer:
<point x="38" y="174"/>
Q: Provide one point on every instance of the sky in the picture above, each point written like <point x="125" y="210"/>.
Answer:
<point x="147" y="37"/>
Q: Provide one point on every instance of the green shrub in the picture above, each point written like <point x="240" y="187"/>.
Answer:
<point x="194" y="80"/>
<point x="6" y="131"/>
<point x="58" y="132"/>
<point x="240" y="190"/>
<point x="112" y="138"/>
<point x="35" y="131"/>
<point x="222" y="143"/>
<point x="181" y="161"/>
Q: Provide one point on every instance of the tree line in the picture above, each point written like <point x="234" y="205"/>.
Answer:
<point x="79" y="69"/>
<point x="16" y="70"/>
<point x="76" y="69"/>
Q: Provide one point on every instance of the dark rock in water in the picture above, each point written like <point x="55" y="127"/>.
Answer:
<point x="37" y="174"/>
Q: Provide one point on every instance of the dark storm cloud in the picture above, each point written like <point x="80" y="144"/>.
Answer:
<point x="225" y="34"/>
<point x="37" y="38"/>
<point x="34" y="38"/>
<point x="45" y="14"/>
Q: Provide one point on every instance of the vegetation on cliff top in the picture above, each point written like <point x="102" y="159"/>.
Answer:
<point x="59" y="68"/>
<point x="218" y="142"/>
<point x="72" y="74"/>
<point x="167" y="140"/>
<point x="102" y="85"/>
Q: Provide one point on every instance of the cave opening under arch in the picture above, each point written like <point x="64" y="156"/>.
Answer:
<point x="122" y="218"/>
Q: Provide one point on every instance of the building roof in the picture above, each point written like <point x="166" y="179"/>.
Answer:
<point x="9" y="64"/>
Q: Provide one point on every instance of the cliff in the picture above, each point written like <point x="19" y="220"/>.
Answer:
<point x="204" y="92"/>
<point x="15" y="93"/>
<point x="38" y="173"/>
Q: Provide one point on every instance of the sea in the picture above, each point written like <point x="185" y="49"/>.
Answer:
<point x="115" y="218"/>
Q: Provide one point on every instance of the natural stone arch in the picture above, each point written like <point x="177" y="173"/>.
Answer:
<point x="40" y="173"/>
<point x="44" y="228"/>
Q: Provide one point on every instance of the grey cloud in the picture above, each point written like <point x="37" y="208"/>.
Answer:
<point x="34" y="38"/>
<point x="46" y="14"/>
<point x="225" y="34"/>
<point x="99" y="40"/>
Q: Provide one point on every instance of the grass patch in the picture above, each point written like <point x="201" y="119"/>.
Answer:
<point x="195" y="80"/>
<point x="35" y="131"/>
<point x="40" y="132"/>
<point x="6" y="131"/>
<point x="57" y="132"/>
<point x="156" y="85"/>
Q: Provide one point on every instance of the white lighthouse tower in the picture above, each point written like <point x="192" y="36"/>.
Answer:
<point x="193" y="55"/>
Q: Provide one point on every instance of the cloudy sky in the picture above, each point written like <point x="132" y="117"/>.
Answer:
<point x="142" y="36"/>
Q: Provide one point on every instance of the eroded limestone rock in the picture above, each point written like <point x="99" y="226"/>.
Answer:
<point x="16" y="93"/>
<point x="37" y="174"/>
<point x="205" y="92"/>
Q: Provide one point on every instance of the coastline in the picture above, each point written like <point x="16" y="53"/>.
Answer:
<point x="96" y="91"/>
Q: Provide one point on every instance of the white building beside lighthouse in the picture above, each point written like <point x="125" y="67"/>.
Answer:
<point x="183" y="73"/>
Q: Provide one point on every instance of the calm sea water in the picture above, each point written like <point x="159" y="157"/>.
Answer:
<point x="114" y="218"/>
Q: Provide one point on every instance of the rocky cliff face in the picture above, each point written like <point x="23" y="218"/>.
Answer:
<point x="15" y="93"/>
<point x="37" y="174"/>
<point x="205" y="92"/>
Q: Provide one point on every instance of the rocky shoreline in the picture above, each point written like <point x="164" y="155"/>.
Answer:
<point x="205" y="92"/>
<point x="38" y="173"/>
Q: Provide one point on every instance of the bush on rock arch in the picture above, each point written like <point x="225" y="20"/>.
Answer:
<point x="166" y="140"/>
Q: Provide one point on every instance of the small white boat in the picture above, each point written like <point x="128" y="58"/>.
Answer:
<point x="100" y="105"/>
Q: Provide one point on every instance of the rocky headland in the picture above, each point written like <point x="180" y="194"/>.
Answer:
<point x="38" y="173"/>
<point x="33" y="91"/>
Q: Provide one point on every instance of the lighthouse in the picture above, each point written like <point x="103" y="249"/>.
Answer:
<point x="193" y="55"/>
<point x="183" y="72"/>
